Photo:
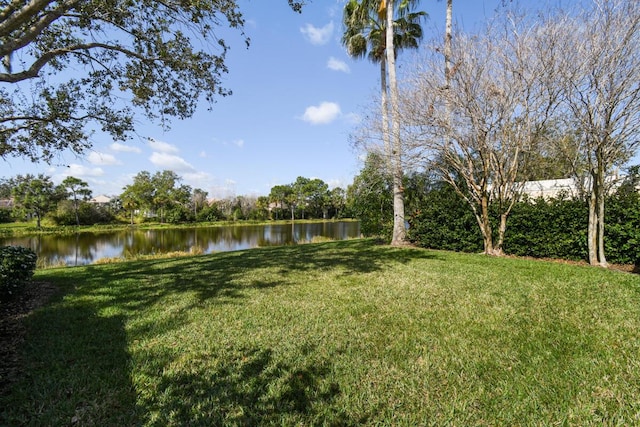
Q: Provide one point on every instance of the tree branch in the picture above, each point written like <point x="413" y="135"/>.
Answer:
<point x="29" y="12"/>
<point x="49" y="56"/>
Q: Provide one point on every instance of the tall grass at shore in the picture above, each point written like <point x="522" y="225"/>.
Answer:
<point x="336" y="333"/>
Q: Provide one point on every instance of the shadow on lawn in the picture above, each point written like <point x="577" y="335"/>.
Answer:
<point x="75" y="371"/>
<point x="248" y="389"/>
<point x="225" y="277"/>
<point x="78" y="368"/>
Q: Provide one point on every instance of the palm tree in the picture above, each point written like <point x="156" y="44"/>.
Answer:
<point x="447" y="43"/>
<point x="366" y="23"/>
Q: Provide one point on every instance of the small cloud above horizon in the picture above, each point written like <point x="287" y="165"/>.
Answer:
<point x="171" y="162"/>
<point x="102" y="159"/>
<point x="163" y="147"/>
<point x="322" y="114"/>
<point x="317" y="36"/>
<point x="80" y="171"/>
<point x="337" y="65"/>
<point x="116" y="146"/>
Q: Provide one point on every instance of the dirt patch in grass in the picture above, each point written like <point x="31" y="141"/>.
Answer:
<point x="12" y="329"/>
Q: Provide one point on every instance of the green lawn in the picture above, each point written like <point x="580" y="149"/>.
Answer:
<point x="338" y="333"/>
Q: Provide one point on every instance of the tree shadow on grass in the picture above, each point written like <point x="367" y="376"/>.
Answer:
<point x="226" y="277"/>
<point x="77" y="368"/>
<point x="249" y="387"/>
<point x="349" y="257"/>
<point x="75" y="371"/>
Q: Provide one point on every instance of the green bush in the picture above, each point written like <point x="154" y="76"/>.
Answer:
<point x="556" y="228"/>
<point x="622" y="228"/>
<point x="443" y="220"/>
<point x="5" y="215"/>
<point x="539" y="228"/>
<point x="178" y="214"/>
<point x="88" y="214"/>
<point x="17" y="265"/>
<point x="209" y="214"/>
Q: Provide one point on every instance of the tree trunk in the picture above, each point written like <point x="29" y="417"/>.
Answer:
<point x="384" y="101"/>
<point x="592" y="234"/>
<point x="601" y="256"/>
<point x="447" y="43"/>
<point x="485" y="226"/>
<point x="399" y="230"/>
<point x="75" y="208"/>
<point x="497" y="250"/>
<point x="600" y="198"/>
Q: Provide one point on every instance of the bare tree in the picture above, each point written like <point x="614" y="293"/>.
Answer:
<point x="600" y="80"/>
<point x="480" y="119"/>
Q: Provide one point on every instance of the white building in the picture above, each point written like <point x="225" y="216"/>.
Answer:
<point x="101" y="200"/>
<point x="552" y="188"/>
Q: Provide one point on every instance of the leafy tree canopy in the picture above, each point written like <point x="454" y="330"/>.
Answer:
<point x="35" y="195"/>
<point x="70" y="66"/>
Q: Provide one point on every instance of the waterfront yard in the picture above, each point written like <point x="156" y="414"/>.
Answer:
<point x="336" y="333"/>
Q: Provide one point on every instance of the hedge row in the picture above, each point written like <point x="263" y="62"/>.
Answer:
<point x="539" y="228"/>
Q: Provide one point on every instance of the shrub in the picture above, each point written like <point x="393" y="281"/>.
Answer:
<point x="209" y="214"/>
<point x="178" y="214"/>
<point x="88" y="214"/>
<point x="622" y="229"/>
<point x="445" y="221"/>
<point x="17" y="265"/>
<point x="555" y="228"/>
<point x="5" y="215"/>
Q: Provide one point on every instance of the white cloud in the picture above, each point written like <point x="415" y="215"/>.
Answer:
<point x="97" y="158"/>
<point x="222" y="190"/>
<point x="317" y="36"/>
<point x="239" y="143"/>
<point x="198" y="179"/>
<point x="322" y="114"/>
<point x="333" y="183"/>
<point x="116" y="146"/>
<point x="203" y="154"/>
<point x="337" y="65"/>
<point x="171" y="162"/>
<point x="162" y="147"/>
<point x="80" y="171"/>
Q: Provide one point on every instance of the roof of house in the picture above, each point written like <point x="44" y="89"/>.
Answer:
<point x="101" y="199"/>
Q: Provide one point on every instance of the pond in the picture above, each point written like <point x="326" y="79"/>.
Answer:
<point x="88" y="247"/>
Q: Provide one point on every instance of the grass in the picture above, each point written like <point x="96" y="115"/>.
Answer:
<point x="337" y="333"/>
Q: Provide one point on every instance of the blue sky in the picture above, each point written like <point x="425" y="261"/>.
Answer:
<point x="297" y="96"/>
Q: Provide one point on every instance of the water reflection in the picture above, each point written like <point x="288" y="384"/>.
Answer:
<point x="85" y="248"/>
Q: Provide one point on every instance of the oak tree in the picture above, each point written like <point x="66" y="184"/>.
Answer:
<point x="72" y="67"/>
